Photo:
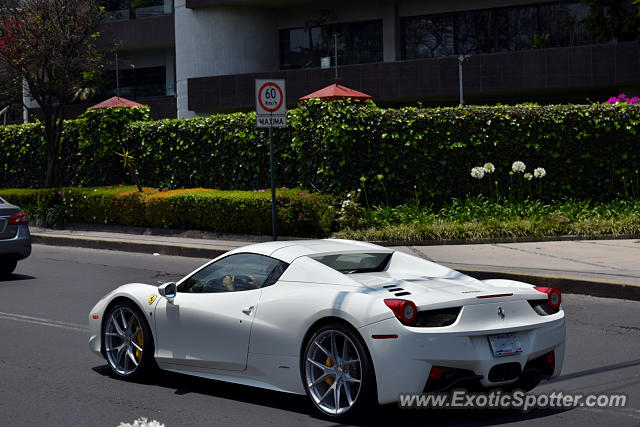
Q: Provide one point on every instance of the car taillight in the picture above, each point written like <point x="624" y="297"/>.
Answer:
<point x="20" y="219"/>
<point x="436" y="373"/>
<point x="553" y="296"/>
<point x="406" y="311"/>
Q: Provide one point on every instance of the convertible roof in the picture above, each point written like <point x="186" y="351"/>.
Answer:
<point x="287" y="251"/>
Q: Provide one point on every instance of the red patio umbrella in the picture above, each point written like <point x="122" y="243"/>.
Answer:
<point x="114" y="102"/>
<point x="336" y="91"/>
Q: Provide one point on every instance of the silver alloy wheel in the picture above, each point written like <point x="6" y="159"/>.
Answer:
<point x="123" y="340"/>
<point x="333" y="372"/>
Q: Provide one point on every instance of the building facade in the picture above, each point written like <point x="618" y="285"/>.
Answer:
<point x="198" y="57"/>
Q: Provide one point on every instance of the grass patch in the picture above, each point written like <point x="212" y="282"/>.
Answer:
<point x="478" y="218"/>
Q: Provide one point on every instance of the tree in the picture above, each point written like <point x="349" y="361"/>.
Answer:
<point x="611" y="20"/>
<point x="50" y="45"/>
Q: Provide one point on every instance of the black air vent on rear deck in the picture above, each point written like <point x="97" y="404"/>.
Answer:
<point x="401" y="294"/>
<point x="437" y="318"/>
<point x="389" y="286"/>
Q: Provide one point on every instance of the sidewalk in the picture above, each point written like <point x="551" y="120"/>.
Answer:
<point x="609" y="268"/>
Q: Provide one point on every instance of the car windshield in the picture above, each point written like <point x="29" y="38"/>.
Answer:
<point x="352" y="263"/>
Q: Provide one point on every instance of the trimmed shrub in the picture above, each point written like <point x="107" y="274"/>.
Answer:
<point x="299" y="213"/>
<point x="588" y="151"/>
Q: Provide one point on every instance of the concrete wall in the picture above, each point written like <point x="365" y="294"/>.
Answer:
<point x="217" y="38"/>
<point x="220" y="41"/>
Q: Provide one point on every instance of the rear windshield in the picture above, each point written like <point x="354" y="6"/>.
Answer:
<point x="351" y="263"/>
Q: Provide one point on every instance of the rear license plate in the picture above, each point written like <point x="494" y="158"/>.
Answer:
<point x="505" y="345"/>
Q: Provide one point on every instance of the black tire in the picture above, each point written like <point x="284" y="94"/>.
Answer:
<point x="364" y="399"/>
<point x="139" y="334"/>
<point x="7" y="267"/>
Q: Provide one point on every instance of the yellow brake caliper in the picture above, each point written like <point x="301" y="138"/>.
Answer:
<point x="139" y="341"/>
<point x="329" y="363"/>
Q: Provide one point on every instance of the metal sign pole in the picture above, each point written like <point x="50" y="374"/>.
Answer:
<point x="274" y="211"/>
<point x="271" y="111"/>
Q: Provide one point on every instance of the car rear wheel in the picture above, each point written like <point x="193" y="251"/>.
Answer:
<point x="337" y="372"/>
<point x="128" y="342"/>
<point x="7" y="267"/>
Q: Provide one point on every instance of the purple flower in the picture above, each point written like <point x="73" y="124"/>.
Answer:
<point x="255" y="191"/>
<point x="308" y="196"/>
<point x="59" y="192"/>
<point x="612" y="100"/>
<point x="283" y="188"/>
<point x="634" y="100"/>
<point x="622" y="96"/>
<point x="260" y="191"/>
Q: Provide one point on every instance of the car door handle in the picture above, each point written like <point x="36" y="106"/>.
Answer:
<point x="247" y="310"/>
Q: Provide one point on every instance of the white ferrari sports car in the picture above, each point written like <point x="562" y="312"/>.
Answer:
<point x="347" y="323"/>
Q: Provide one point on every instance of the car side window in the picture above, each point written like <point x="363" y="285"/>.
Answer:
<point x="238" y="272"/>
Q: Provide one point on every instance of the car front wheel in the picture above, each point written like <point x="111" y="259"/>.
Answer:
<point x="338" y="373"/>
<point x="128" y="342"/>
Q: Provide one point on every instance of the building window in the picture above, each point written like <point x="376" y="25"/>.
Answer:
<point x="494" y="30"/>
<point x="137" y="82"/>
<point x="116" y="10"/>
<point x="358" y="43"/>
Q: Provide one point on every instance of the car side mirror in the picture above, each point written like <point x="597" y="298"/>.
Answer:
<point x="168" y="290"/>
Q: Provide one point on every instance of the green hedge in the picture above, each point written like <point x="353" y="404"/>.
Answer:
<point x="299" y="213"/>
<point x="588" y="151"/>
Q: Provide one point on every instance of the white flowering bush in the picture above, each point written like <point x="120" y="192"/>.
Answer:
<point x="518" y="166"/>
<point x="539" y="173"/>
<point x="477" y="172"/>
<point x="514" y="190"/>
<point x="351" y="213"/>
<point x="142" y="422"/>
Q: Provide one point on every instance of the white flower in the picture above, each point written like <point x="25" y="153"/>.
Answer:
<point x="345" y="203"/>
<point x="477" y="172"/>
<point x="518" y="166"/>
<point x="528" y="176"/>
<point x="489" y="168"/>
<point x="142" y="422"/>
<point x="539" y="172"/>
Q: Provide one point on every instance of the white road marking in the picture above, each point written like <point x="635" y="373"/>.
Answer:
<point x="44" y="322"/>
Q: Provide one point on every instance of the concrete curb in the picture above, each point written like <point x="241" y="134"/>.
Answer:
<point x="564" y="284"/>
<point x="128" y="246"/>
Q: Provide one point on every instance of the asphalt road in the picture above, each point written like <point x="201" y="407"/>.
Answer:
<point x="49" y="377"/>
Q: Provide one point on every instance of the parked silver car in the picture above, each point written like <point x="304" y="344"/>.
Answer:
<point x="15" y="239"/>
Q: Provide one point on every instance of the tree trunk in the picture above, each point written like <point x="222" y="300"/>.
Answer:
<point x="52" y="142"/>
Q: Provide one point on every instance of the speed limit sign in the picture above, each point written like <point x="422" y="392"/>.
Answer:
<point x="271" y="102"/>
